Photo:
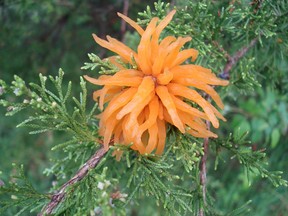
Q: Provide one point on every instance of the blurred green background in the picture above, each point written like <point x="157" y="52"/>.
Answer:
<point x="42" y="37"/>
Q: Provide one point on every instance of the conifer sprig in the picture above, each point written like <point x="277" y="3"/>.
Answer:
<point x="52" y="110"/>
<point x="19" y="192"/>
<point x="104" y="65"/>
<point x="252" y="160"/>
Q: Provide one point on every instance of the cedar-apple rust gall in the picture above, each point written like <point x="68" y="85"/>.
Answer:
<point x="141" y="102"/>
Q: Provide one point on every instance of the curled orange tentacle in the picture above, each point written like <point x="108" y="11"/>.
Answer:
<point x="153" y="88"/>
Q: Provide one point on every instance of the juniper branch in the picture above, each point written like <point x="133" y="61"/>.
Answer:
<point x="236" y="57"/>
<point x="203" y="171"/>
<point x="225" y="74"/>
<point x="58" y="197"/>
<point x="125" y="12"/>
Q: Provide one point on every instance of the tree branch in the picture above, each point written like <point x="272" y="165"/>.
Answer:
<point x="203" y="171"/>
<point x="123" y="23"/>
<point x="235" y="58"/>
<point x="225" y="75"/>
<point x="57" y="198"/>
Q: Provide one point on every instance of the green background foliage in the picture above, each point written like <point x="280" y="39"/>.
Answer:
<point x="42" y="37"/>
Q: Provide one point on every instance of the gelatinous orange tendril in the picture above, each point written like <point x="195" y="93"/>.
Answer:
<point x="141" y="102"/>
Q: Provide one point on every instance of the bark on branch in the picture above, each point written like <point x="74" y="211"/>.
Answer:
<point x="236" y="57"/>
<point x="123" y="23"/>
<point x="58" y="197"/>
<point x="203" y="171"/>
<point x="231" y="62"/>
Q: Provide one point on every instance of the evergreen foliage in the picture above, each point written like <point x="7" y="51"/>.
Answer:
<point x="20" y="193"/>
<point x="240" y="40"/>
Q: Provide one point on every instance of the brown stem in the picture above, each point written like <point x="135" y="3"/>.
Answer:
<point x="123" y="23"/>
<point x="58" y="197"/>
<point x="236" y="57"/>
<point x="230" y="63"/>
<point x="225" y="74"/>
<point x="203" y="171"/>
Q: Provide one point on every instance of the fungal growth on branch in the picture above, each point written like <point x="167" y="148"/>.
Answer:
<point x="157" y="89"/>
